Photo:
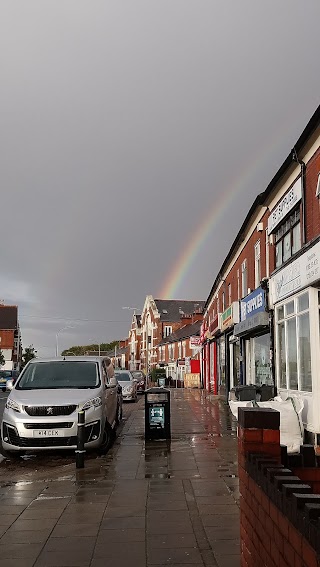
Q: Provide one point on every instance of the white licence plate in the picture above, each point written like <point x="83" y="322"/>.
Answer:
<point x="48" y="433"/>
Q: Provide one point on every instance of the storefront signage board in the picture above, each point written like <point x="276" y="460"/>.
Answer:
<point x="226" y="318"/>
<point x="254" y="303"/>
<point x="259" y="320"/>
<point x="287" y="203"/>
<point x="192" y="381"/>
<point x="195" y="342"/>
<point x="299" y="274"/>
<point x="230" y="316"/>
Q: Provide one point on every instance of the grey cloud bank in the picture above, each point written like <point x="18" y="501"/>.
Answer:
<point x="122" y="124"/>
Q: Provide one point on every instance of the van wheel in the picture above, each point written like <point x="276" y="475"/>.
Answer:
<point x="107" y="440"/>
<point x="12" y="455"/>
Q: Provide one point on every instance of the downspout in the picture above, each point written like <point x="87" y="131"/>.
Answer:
<point x="303" y="168"/>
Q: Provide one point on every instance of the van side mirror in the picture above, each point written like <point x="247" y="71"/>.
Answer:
<point x="9" y="384"/>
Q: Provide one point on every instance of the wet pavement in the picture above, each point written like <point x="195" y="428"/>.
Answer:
<point x="143" y="504"/>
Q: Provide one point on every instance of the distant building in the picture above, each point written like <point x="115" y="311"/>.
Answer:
<point x="159" y="319"/>
<point x="10" y="337"/>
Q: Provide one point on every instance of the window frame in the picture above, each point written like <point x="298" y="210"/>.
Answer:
<point x="257" y="263"/>
<point x="313" y="314"/>
<point x="281" y="233"/>
<point x="244" y="278"/>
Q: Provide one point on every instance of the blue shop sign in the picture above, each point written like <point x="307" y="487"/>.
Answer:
<point x="253" y="304"/>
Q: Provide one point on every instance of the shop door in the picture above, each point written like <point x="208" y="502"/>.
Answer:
<point x="234" y="364"/>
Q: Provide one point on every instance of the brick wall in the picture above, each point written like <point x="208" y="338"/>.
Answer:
<point x="278" y="511"/>
<point x="312" y="202"/>
<point x="6" y="339"/>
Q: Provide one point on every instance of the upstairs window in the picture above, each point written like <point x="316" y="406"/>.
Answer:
<point x="244" y="278"/>
<point x="229" y="294"/>
<point x="257" y="264"/>
<point x="288" y="238"/>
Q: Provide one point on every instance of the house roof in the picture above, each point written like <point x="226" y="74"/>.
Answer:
<point x="185" y="332"/>
<point x="8" y="317"/>
<point x="262" y="198"/>
<point x="172" y="310"/>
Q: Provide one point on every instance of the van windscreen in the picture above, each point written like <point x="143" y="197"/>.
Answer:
<point x="60" y="374"/>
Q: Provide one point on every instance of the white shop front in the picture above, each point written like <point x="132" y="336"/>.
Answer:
<point x="295" y="298"/>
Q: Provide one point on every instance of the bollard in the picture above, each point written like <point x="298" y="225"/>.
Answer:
<point x="80" y="450"/>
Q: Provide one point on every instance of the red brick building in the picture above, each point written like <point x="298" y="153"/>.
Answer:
<point x="159" y="319"/>
<point x="10" y="337"/>
<point x="261" y="319"/>
<point x="134" y="343"/>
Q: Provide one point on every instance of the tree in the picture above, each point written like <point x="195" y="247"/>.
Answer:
<point x="83" y="349"/>
<point x="29" y="354"/>
<point x="2" y="359"/>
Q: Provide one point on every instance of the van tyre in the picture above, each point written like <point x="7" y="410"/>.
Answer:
<point x="108" y="439"/>
<point x="12" y="455"/>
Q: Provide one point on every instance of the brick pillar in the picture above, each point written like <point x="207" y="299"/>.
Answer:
<point x="258" y="432"/>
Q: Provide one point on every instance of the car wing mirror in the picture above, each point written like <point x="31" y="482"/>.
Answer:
<point x="9" y="384"/>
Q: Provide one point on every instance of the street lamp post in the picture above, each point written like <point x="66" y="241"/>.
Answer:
<point x="57" y="336"/>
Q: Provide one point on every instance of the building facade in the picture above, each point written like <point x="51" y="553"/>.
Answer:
<point x="10" y="337"/>
<point x="159" y="319"/>
<point x="272" y="273"/>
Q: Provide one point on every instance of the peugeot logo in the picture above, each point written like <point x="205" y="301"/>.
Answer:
<point x="49" y="411"/>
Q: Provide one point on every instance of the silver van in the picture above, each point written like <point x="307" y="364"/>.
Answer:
<point x="42" y="408"/>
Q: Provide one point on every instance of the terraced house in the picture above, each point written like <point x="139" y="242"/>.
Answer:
<point x="159" y="319"/>
<point x="261" y="319"/>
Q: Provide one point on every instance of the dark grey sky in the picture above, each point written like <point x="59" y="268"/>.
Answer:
<point x="121" y="124"/>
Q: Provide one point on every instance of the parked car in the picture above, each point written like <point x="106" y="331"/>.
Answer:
<point x="42" y="408"/>
<point x="6" y="375"/>
<point x="128" y="384"/>
<point x="141" y="380"/>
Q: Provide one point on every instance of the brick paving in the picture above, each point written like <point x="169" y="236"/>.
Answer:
<point x="144" y="504"/>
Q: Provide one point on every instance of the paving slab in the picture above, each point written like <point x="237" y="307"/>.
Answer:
<point x="171" y="502"/>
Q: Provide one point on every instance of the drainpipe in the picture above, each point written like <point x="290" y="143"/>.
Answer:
<point x="303" y="186"/>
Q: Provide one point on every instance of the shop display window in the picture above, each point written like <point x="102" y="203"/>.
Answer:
<point x="293" y="352"/>
<point x="258" y="367"/>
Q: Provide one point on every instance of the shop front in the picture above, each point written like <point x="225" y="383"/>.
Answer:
<point x="228" y="358"/>
<point x="295" y="295"/>
<point x="254" y="332"/>
<point x="213" y="330"/>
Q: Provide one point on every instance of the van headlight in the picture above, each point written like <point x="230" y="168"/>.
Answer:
<point x="93" y="403"/>
<point x="11" y="404"/>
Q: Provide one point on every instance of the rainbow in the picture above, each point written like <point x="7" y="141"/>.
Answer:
<point x="184" y="263"/>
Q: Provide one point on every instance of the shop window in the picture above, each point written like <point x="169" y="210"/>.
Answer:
<point x="288" y="238"/>
<point x="258" y="367"/>
<point x="244" y="278"/>
<point x="293" y="352"/>
<point x="257" y="264"/>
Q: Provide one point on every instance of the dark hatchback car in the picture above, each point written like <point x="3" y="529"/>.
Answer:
<point x="141" y="380"/>
<point x="6" y="375"/>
